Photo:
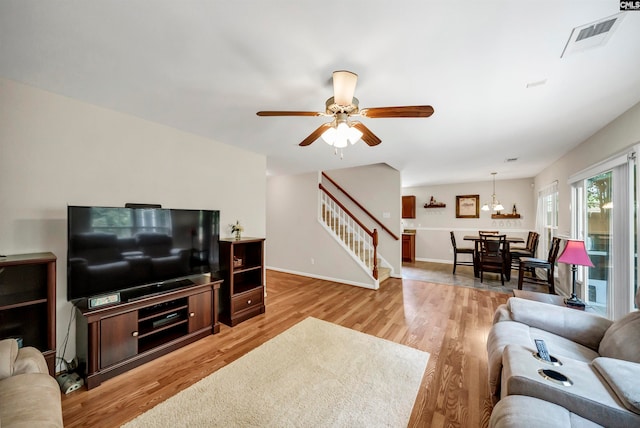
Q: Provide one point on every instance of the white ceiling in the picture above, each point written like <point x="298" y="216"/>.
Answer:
<point x="206" y="67"/>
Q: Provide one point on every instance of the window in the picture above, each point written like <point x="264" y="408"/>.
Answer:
<point x="547" y="218"/>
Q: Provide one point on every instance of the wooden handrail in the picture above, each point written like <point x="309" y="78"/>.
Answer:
<point x="385" y="228"/>
<point x="345" y="209"/>
<point x="372" y="233"/>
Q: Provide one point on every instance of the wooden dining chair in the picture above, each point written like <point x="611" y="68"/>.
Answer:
<point x="492" y="255"/>
<point x="460" y="250"/>
<point x="529" y="250"/>
<point x="530" y="264"/>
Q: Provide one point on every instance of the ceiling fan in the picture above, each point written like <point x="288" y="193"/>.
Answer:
<point x="342" y="107"/>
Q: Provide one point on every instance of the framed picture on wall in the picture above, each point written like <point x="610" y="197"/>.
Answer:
<point x="468" y="206"/>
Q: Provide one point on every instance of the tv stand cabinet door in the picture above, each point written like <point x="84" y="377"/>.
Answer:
<point x="200" y="311"/>
<point x="118" y="338"/>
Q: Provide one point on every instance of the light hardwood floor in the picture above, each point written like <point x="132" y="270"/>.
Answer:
<point x="449" y="322"/>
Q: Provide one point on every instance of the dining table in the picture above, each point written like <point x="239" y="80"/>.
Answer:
<point x="476" y="242"/>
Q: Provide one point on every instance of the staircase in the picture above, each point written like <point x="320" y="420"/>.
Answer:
<point x="359" y="241"/>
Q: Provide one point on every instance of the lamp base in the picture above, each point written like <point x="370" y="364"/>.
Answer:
<point x="574" y="302"/>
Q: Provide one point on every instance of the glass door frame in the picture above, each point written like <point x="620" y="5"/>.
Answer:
<point x="624" y="227"/>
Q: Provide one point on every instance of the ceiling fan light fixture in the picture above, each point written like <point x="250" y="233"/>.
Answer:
<point x="344" y="87"/>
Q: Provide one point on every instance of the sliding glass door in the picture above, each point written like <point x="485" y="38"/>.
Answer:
<point x="597" y="231"/>
<point x="606" y="218"/>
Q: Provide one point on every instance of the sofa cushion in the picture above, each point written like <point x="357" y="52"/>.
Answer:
<point x="30" y="400"/>
<point x="585" y="328"/>
<point x="517" y="411"/>
<point x="589" y="396"/>
<point x="514" y="333"/>
<point x="622" y="376"/>
<point x="622" y="339"/>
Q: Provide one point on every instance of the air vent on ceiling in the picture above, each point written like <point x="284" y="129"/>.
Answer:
<point x="592" y="35"/>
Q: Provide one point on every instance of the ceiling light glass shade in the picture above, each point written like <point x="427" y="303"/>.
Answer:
<point x="354" y="135"/>
<point x="498" y="207"/>
<point x="344" y="86"/>
<point x="485" y="207"/>
<point x="329" y="136"/>
<point x="342" y="134"/>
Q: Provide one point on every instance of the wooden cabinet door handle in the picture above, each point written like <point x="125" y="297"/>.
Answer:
<point x="134" y="334"/>
<point x="192" y="314"/>
<point x="249" y="302"/>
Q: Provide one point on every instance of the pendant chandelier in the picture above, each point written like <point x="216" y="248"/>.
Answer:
<point x="495" y="204"/>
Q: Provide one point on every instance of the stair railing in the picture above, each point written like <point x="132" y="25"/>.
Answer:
<point x="361" y="241"/>
<point x="385" y="228"/>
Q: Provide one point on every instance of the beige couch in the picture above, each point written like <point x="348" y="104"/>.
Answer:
<point x="29" y="396"/>
<point x="601" y="358"/>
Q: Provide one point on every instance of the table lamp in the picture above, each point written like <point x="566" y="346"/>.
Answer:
<point x="574" y="254"/>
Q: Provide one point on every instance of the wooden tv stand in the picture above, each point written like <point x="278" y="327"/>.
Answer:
<point x="111" y="340"/>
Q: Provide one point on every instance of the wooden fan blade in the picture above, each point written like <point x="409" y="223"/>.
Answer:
<point x="367" y="136"/>
<point x="315" y="134"/>
<point x="289" y="113"/>
<point x="404" y="111"/>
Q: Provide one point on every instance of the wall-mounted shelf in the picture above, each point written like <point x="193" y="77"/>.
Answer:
<point x="505" y="215"/>
<point x="436" y="205"/>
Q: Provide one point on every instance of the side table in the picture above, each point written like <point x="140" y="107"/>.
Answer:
<point x="552" y="299"/>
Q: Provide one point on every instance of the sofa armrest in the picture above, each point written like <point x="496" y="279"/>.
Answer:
<point x="622" y="376"/>
<point x="15" y="361"/>
<point x="30" y="360"/>
<point x="8" y="354"/>
<point x="582" y="327"/>
<point x="502" y="313"/>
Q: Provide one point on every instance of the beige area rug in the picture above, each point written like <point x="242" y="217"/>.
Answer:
<point x="315" y="374"/>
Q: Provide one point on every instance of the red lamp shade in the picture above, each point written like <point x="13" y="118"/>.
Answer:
<point x="574" y="253"/>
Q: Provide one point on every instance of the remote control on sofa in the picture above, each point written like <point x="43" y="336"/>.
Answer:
<point x="542" y="350"/>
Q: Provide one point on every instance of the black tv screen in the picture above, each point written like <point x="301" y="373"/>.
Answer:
<point x="115" y="249"/>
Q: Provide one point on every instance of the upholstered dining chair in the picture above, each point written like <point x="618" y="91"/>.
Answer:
<point x="488" y="232"/>
<point x="530" y="264"/>
<point x="529" y="250"/>
<point x="492" y="255"/>
<point x="460" y="250"/>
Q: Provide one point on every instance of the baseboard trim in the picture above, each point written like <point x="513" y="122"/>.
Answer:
<point x="447" y="262"/>
<point x="326" y="278"/>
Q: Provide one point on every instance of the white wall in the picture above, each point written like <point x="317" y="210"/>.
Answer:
<point x="56" y="151"/>
<point x="297" y="243"/>
<point x="433" y="225"/>
<point x="618" y="135"/>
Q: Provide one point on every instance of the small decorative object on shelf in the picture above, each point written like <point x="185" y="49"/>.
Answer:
<point x="514" y="210"/>
<point x="433" y="204"/>
<point x="237" y="229"/>
<point x="237" y="262"/>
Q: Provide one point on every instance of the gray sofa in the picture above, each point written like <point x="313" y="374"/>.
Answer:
<point x="29" y="396"/>
<point x="601" y="358"/>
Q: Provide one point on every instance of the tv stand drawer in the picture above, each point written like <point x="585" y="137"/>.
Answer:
<point x="247" y="300"/>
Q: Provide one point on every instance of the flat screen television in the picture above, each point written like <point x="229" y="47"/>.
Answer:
<point x="138" y="251"/>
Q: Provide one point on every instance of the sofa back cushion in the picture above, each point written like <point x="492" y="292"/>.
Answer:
<point x="622" y="339"/>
